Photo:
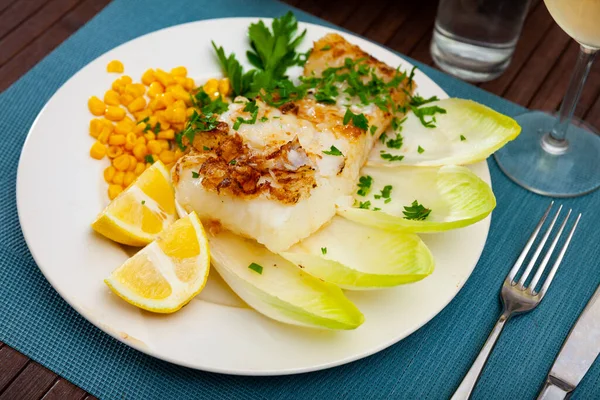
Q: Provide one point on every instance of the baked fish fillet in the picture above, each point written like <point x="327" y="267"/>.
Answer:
<point x="278" y="180"/>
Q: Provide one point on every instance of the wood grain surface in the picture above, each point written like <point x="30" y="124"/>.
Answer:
<point x="537" y="78"/>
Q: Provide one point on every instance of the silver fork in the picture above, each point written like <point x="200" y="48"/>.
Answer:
<point x="518" y="298"/>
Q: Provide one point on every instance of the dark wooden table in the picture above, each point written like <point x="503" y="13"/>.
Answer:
<point x="537" y="78"/>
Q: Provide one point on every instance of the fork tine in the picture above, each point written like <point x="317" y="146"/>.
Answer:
<point x="542" y="267"/>
<point x="513" y="272"/>
<point x="538" y="250"/>
<point x="559" y="259"/>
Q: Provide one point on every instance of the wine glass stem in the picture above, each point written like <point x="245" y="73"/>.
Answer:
<point x="555" y="141"/>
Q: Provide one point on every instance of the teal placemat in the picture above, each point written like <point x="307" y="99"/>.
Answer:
<point x="427" y="365"/>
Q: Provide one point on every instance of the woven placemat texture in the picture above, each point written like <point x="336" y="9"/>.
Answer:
<point x="427" y="365"/>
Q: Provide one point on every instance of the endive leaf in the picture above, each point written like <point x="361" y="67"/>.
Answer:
<point x="454" y="194"/>
<point x="356" y="257"/>
<point x="467" y="133"/>
<point x="277" y="288"/>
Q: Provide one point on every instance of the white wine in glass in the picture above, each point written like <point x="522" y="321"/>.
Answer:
<point x="553" y="156"/>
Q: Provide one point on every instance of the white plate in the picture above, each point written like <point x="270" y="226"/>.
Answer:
<point x="60" y="191"/>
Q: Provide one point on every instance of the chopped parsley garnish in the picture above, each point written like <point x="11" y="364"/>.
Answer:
<point x="205" y="148"/>
<point x="149" y="159"/>
<point x="462" y="138"/>
<point x="256" y="268"/>
<point x="324" y="250"/>
<point x="195" y="175"/>
<point x="411" y="76"/>
<point x="364" y="185"/>
<point x="383" y="138"/>
<point x="420" y="150"/>
<point x="397" y="123"/>
<point x="250" y="107"/>
<point x="196" y="124"/>
<point x="390" y="157"/>
<point x="373" y="129"/>
<point x="423" y="112"/>
<point x="376" y="209"/>
<point x="233" y="162"/>
<point x="202" y="101"/>
<point x="395" y="143"/>
<point x="358" y="120"/>
<point x="418" y="101"/>
<point x="144" y="120"/>
<point x="333" y="151"/>
<point x="416" y="211"/>
<point x="364" y="205"/>
<point x="385" y="193"/>
<point x="326" y="47"/>
<point x="147" y="128"/>
<point x="143" y="202"/>
<point x="264" y="119"/>
<point x="156" y="127"/>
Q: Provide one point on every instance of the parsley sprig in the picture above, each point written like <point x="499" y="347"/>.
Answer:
<point x="364" y="185"/>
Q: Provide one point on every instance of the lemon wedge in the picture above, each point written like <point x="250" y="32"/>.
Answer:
<point x="137" y="215"/>
<point x="165" y="275"/>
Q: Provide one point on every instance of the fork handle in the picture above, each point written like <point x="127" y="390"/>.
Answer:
<point x="470" y="380"/>
<point x="555" y="389"/>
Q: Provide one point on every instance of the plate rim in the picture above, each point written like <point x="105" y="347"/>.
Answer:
<point x="90" y="317"/>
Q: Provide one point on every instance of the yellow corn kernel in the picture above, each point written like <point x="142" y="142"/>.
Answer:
<point x="155" y="89"/>
<point x="148" y="78"/>
<point x="116" y="140"/>
<point x="164" y="124"/>
<point x="118" y="178"/>
<point x="130" y="140"/>
<point x="163" y="77"/>
<point x="167" y="156"/>
<point x="189" y="111"/>
<point x="104" y="134"/>
<point x="139" y="168"/>
<point x="114" y="113"/>
<point x="123" y="127"/>
<point x="189" y="84"/>
<point x="118" y="86"/>
<point x="126" y="99"/>
<point x="126" y="79"/>
<point x="178" y="126"/>
<point x="137" y="105"/>
<point x="181" y="94"/>
<point x="224" y="87"/>
<point x="121" y="163"/>
<point x="180" y="104"/>
<point x="109" y="173"/>
<point x="115" y="66"/>
<point x="163" y="143"/>
<point x="114" y="151"/>
<point x="179" y="115"/>
<point x="149" y="135"/>
<point x="148" y="165"/>
<point x="140" y="115"/>
<point x="179" y="71"/>
<point x="135" y="89"/>
<point x="114" y="191"/>
<point x="108" y="125"/>
<point x="96" y="106"/>
<point x="140" y="127"/>
<point x="98" y="150"/>
<point x="132" y="162"/>
<point x="111" y="97"/>
<point x="128" y="178"/>
<point x="139" y="151"/>
<point x="140" y="140"/>
<point x="178" y="153"/>
<point x="180" y="80"/>
<point x="153" y="104"/>
<point x="96" y="126"/>
<point x="211" y="87"/>
<point x="154" y="147"/>
<point x="168" y="134"/>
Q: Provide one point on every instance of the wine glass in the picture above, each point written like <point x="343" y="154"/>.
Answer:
<point x="554" y="156"/>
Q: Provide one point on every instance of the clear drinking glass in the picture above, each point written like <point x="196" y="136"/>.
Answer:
<point x="475" y="39"/>
<point x="554" y="156"/>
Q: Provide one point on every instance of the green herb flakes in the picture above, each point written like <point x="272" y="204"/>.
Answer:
<point x="256" y="268"/>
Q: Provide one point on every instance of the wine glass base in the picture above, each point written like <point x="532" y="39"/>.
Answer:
<point x="573" y="173"/>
